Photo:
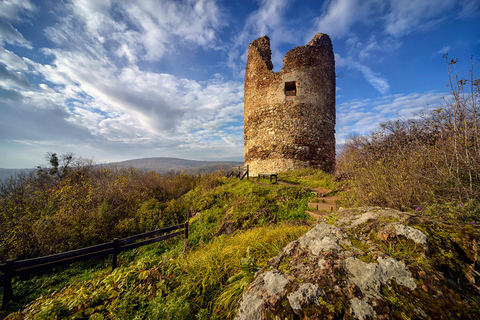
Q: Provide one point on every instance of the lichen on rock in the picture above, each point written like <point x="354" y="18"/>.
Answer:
<point x="371" y="263"/>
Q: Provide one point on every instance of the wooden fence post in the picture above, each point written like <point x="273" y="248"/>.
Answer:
<point x="7" y="284"/>
<point x="115" y="252"/>
<point x="186" y="230"/>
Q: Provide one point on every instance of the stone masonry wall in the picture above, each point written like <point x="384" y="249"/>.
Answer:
<point x="290" y="126"/>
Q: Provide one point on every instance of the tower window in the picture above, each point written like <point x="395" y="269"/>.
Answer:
<point x="290" y="88"/>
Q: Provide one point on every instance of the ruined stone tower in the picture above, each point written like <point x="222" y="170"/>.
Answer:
<point x="290" y="114"/>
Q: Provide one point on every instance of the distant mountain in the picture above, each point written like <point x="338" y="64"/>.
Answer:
<point x="7" y="173"/>
<point x="160" y="164"/>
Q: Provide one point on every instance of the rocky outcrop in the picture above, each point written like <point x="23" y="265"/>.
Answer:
<point x="371" y="263"/>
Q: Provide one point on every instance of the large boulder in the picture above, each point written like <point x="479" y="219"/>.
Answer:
<point x="371" y="263"/>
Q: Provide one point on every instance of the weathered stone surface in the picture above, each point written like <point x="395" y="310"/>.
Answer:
<point x="361" y="309"/>
<point x="289" y="115"/>
<point x="371" y="263"/>
<point x="267" y="288"/>
<point x="369" y="277"/>
<point x="411" y="233"/>
<point x="306" y="295"/>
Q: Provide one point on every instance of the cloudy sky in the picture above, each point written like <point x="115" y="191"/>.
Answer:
<point x="121" y="79"/>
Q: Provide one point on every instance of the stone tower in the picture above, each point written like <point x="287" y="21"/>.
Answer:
<point x="290" y="114"/>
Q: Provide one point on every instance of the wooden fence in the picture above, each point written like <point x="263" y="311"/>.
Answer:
<point x="23" y="267"/>
<point x="239" y="172"/>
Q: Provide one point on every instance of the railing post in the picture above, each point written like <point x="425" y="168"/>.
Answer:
<point x="186" y="230"/>
<point x="7" y="284"/>
<point x="115" y="252"/>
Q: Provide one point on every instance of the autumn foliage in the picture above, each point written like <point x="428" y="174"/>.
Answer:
<point x="430" y="164"/>
<point x="50" y="212"/>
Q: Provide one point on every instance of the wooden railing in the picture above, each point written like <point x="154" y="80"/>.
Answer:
<point x="23" y="267"/>
<point x="239" y="172"/>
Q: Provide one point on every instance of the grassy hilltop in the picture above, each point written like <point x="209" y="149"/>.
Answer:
<point x="428" y="166"/>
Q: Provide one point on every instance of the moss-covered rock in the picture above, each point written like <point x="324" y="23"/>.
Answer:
<point x="371" y="263"/>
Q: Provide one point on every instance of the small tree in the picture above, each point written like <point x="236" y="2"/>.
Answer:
<point x="58" y="167"/>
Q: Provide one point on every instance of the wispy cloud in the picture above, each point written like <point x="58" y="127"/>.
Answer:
<point x="444" y="50"/>
<point x="93" y="95"/>
<point x="339" y="16"/>
<point x="380" y="84"/>
<point x="11" y="12"/>
<point x="409" y="16"/>
<point x="362" y="116"/>
<point x="269" y="20"/>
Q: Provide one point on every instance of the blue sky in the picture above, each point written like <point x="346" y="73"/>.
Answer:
<point x="116" y="80"/>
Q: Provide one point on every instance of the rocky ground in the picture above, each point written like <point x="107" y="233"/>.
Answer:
<point x="371" y="263"/>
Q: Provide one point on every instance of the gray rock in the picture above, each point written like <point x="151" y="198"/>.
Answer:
<point x="369" y="276"/>
<point x="323" y="237"/>
<point x="361" y="309"/>
<point x="274" y="282"/>
<point x="411" y="233"/>
<point x="327" y="262"/>
<point x="266" y="285"/>
<point x="306" y="294"/>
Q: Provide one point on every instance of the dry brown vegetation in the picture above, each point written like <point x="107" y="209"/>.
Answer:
<point x="430" y="164"/>
<point x="73" y="205"/>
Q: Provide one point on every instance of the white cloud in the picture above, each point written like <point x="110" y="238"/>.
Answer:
<point x="339" y="16"/>
<point x="11" y="60"/>
<point x="373" y="46"/>
<point x="141" y="29"/>
<point x="12" y="79"/>
<point x="11" y="12"/>
<point x="397" y="18"/>
<point x="269" y="20"/>
<point x="380" y="84"/>
<point x="409" y="16"/>
<point x="160" y="23"/>
<point x="444" y="50"/>
<point x="469" y="8"/>
<point x="362" y="116"/>
<point x="88" y="94"/>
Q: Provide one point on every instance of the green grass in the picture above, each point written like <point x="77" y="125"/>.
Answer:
<point x="163" y="281"/>
<point x="311" y="178"/>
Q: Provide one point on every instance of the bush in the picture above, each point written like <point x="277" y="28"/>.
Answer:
<point x="433" y="160"/>
<point x="48" y="213"/>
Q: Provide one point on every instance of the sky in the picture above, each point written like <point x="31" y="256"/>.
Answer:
<point x="115" y="80"/>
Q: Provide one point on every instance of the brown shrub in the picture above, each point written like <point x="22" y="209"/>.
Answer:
<point x="431" y="160"/>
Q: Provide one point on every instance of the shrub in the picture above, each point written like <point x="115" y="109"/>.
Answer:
<point x="80" y="205"/>
<point x="433" y="160"/>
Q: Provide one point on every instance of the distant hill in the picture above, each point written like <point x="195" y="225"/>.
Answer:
<point x="161" y="164"/>
<point x="7" y="173"/>
<point x="158" y="164"/>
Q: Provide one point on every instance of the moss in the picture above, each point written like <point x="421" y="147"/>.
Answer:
<point x="329" y="307"/>
<point x="389" y="219"/>
<point x="285" y="266"/>
<point x="332" y="219"/>
<point x="400" y="248"/>
<point x="368" y="258"/>
<point x="359" y="244"/>
<point x="402" y="303"/>
<point x="452" y="250"/>
<point x="344" y="246"/>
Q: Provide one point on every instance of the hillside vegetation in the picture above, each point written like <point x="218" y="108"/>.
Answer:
<point x="235" y="226"/>
<point x="429" y="164"/>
